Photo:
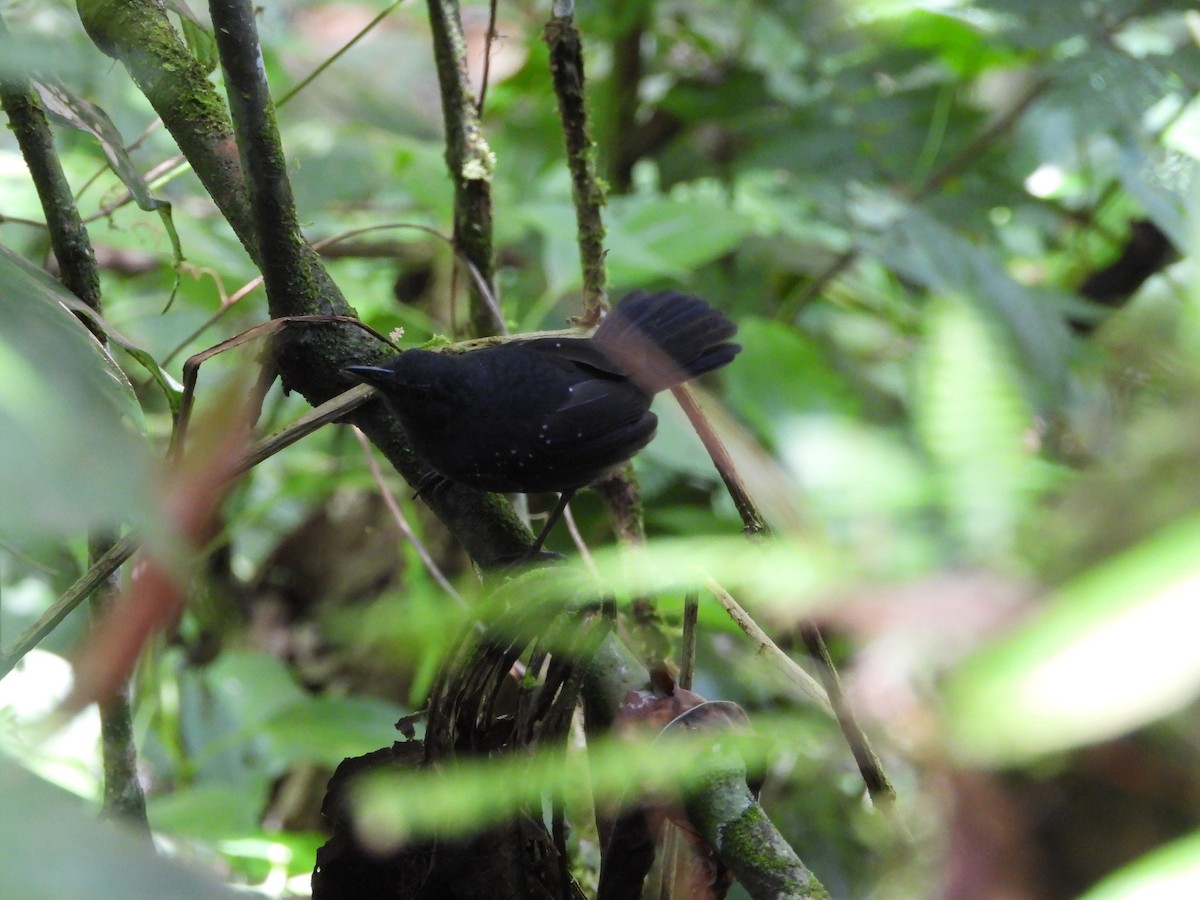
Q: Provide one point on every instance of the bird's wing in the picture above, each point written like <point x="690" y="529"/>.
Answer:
<point x="565" y="351"/>
<point x="601" y="422"/>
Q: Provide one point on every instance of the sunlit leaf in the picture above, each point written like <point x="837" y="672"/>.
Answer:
<point x="1112" y="650"/>
<point x="1171" y="871"/>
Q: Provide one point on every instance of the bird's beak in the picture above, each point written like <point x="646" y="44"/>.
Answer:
<point x="372" y="375"/>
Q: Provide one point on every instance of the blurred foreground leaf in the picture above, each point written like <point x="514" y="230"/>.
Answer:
<point x="70" y="426"/>
<point x="51" y="847"/>
<point x="1171" y="871"/>
<point x="1113" y="650"/>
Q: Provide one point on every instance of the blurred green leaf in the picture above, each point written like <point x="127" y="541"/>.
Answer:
<point x="658" y="237"/>
<point x="975" y="425"/>
<point x="1170" y="871"/>
<point x="1112" y="650"/>
<point x="211" y="812"/>
<point x="921" y="249"/>
<point x="330" y="729"/>
<point x="55" y="848"/>
<point x="781" y="373"/>
<point x="70" y="427"/>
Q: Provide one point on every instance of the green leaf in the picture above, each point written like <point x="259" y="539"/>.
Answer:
<point x="920" y="249"/>
<point x="212" y="812"/>
<point x="71" y="430"/>
<point x="964" y="48"/>
<point x="661" y="237"/>
<point x="55" y="848"/>
<point x="75" y="112"/>
<point x="973" y="421"/>
<point x="1113" y="650"/>
<point x="330" y="729"/>
<point x="1170" y="871"/>
<point x="795" y="368"/>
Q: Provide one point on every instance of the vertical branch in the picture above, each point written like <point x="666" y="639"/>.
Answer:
<point x="290" y="267"/>
<point x="469" y="158"/>
<point x="68" y="236"/>
<point x="123" y="796"/>
<point x="566" y="70"/>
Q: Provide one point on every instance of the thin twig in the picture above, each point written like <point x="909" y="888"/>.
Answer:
<point x="337" y="54"/>
<point x="577" y="537"/>
<point x="687" y="640"/>
<point x="93" y="578"/>
<point x="488" y="41"/>
<point x="876" y="780"/>
<point x="768" y="648"/>
<point x="752" y="519"/>
<point x="402" y="522"/>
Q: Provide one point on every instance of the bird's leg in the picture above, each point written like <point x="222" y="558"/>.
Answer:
<point x="555" y="514"/>
<point x="431" y="482"/>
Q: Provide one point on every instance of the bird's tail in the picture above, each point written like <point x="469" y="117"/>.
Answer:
<point x="664" y="339"/>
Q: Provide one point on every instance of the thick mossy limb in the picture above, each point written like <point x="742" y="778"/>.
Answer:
<point x="730" y="819"/>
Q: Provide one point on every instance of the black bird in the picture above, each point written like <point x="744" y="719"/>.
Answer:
<point x="552" y="413"/>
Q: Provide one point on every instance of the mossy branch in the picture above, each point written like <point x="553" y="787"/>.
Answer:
<point x="138" y="34"/>
<point x="566" y="71"/>
<point x="469" y="159"/>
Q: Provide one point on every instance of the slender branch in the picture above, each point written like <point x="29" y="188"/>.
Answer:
<point x="876" y="780"/>
<point x="402" y="522"/>
<point x="290" y="267"/>
<point x="566" y="71"/>
<point x="488" y="44"/>
<point x="124" y="800"/>
<point x="68" y="236"/>
<point x="767" y="647"/>
<point x="468" y="156"/>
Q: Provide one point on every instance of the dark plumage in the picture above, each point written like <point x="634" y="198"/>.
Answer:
<point x="555" y="413"/>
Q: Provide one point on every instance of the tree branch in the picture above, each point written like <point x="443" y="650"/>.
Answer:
<point x="566" y="71"/>
<point x="469" y="158"/>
